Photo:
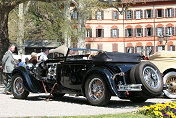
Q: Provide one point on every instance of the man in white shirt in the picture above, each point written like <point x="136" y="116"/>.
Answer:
<point x="43" y="56"/>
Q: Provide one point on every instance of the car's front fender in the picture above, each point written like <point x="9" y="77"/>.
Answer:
<point x="25" y="74"/>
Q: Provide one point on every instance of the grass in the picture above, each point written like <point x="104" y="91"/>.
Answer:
<point x="121" y="115"/>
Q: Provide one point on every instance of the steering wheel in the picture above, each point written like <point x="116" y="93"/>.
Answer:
<point x="90" y="56"/>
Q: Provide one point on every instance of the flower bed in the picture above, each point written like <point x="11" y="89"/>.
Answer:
<point x="160" y="110"/>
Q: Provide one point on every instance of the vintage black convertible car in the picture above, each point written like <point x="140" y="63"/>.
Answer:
<point x="91" y="73"/>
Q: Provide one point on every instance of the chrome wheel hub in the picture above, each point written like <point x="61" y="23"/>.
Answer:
<point x="151" y="77"/>
<point x="96" y="89"/>
<point x="18" y="86"/>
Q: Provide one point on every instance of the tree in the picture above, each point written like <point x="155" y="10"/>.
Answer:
<point x="5" y="7"/>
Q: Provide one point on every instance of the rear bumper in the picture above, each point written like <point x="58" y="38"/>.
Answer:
<point x="130" y="87"/>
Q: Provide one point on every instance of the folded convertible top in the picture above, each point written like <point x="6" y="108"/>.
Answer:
<point x="117" y="57"/>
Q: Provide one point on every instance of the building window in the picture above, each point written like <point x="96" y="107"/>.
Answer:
<point x="139" y="32"/>
<point x="159" y="13"/>
<point x="100" y="46"/>
<point x="129" y="32"/>
<point x="129" y="15"/>
<point x="160" y="48"/>
<point x="159" y="31"/>
<point x="99" y="15"/>
<point x="169" y="12"/>
<point x="149" y="50"/>
<point x="115" y="15"/>
<point x="139" y="49"/>
<point x="87" y="46"/>
<point x="169" y="31"/>
<point x="149" y="13"/>
<point x="88" y="33"/>
<point x="114" y="47"/>
<point x="138" y="14"/>
<point x="114" y="33"/>
<point x="149" y="31"/>
<point x="171" y="48"/>
<point x="130" y="49"/>
<point x="75" y="15"/>
<point x="99" y="33"/>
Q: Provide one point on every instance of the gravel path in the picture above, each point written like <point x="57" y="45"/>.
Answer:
<point x="36" y="105"/>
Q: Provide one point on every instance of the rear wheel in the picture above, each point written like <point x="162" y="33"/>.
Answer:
<point x="170" y="81"/>
<point x="96" y="90"/>
<point x="18" y="89"/>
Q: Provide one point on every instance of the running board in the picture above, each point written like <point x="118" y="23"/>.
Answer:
<point x="130" y="87"/>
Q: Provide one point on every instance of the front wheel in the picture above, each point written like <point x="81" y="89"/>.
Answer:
<point x="97" y="91"/>
<point x="18" y="89"/>
<point x="170" y="81"/>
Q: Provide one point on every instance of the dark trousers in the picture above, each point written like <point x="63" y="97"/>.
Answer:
<point x="9" y="81"/>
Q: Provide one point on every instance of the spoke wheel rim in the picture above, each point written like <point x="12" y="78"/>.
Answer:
<point x="171" y="84"/>
<point x="151" y="77"/>
<point x="18" y="86"/>
<point x="96" y="89"/>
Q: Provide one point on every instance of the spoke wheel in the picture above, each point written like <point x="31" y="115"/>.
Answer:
<point x="151" y="77"/>
<point x="147" y="74"/>
<point x="18" y="89"/>
<point x="97" y="91"/>
<point x="170" y="81"/>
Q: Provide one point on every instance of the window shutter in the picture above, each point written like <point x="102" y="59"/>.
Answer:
<point x="173" y="47"/>
<point x="102" y="33"/>
<point x="131" y="14"/>
<point x="156" y="48"/>
<point x="172" y="31"/>
<point x="135" y="49"/>
<point x="152" y="31"/>
<point x="96" y="32"/>
<point x="152" y="49"/>
<point x="146" y="50"/>
<point x="156" y="13"/>
<point x="156" y="31"/>
<point x="125" y="32"/>
<point x="145" y="32"/>
<point x="111" y="33"/>
<point x="165" y="31"/>
<point x="175" y="11"/>
<point x="91" y="33"/>
<point x="152" y="14"/>
<point x="134" y="15"/>
<point x="132" y="32"/>
<point x="96" y="15"/>
<point x="117" y="15"/>
<point x="145" y="13"/>
<point x="126" y="49"/>
<point x="102" y="15"/>
<point x="141" y="14"/>
<point x="162" y="13"/>
<point x="117" y="32"/>
<point x="166" y="13"/>
<point x="172" y="12"/>
<point x="141" y="32"/>
<point x="135" y="32"/>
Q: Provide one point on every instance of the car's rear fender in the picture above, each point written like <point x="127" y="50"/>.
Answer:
<point x="29" y="85"/>
<point x="107" y="74"/>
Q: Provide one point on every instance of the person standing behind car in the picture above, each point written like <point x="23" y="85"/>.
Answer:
<point x="43" y="56"/>
<point x="8" y="64"/>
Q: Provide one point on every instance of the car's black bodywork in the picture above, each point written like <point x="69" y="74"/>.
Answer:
<point x="97" y="77"/>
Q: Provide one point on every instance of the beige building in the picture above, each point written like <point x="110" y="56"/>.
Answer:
<point x="149" y="26"/>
